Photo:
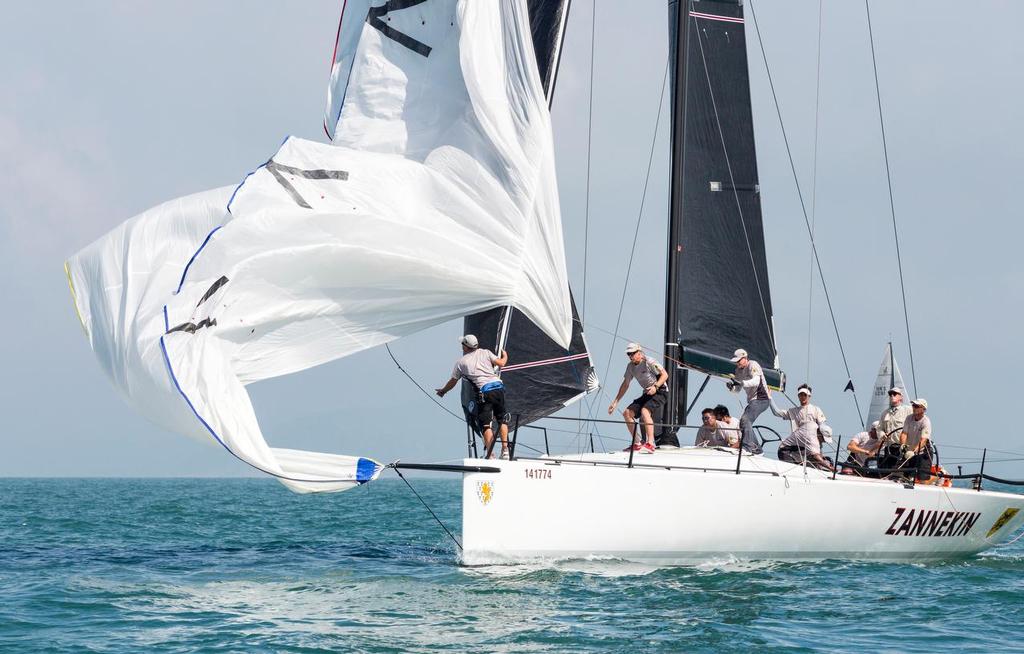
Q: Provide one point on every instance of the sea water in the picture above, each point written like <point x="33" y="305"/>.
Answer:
<point x="243" y="565"/>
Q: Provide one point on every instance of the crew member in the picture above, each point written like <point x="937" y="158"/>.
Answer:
<point x="652" y="377"/>
<point x="479" y="366"/>
<point x="891" y="421"/>
<point x="807" y="421"/>
<point x="916" y="437"/>
<point x="864" y="446"/>
<point x="712" y="432"/>
<point x="727" y="424"/>
<point x="750" y="378"/>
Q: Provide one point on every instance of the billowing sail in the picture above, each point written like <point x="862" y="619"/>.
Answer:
<point x="438" y="201"/>
<point x="541" y="377"/>
<point x="718" y="275"/>
<point x="889" y="375"/>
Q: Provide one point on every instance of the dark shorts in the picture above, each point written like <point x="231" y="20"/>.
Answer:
<point x="652" y="403"/>
<point x="492" y="407"/>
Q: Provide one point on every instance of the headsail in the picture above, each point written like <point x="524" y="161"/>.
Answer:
<point x="889" y="375"/>
<point x="542" y="377"/>
<point x="439" y="201"/>
<point x="719" y="298"/>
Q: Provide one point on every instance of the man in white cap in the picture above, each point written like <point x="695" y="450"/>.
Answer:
<point x="917" y="436"/>
<point x="652" y="377"/>
<point x="750" y="378"/>
<point x="863" y="446"/>
<point x="807" y="421"/>
<point x="479" y="366"/>
<point x="891" y="421"/>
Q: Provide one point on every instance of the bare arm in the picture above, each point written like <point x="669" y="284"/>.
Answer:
<point x="623" y="387"/>
<point x="447" y="387"/>
<point x="662" y="380"/>
<point x="502" y="360"/>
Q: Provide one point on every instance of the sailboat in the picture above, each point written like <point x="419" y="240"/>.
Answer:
<point x="889" y="377"/>
<point x="436" y="199"/>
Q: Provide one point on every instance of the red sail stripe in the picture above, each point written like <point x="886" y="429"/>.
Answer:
<point x="546" y="362"/>
<point x="727" y="19"/>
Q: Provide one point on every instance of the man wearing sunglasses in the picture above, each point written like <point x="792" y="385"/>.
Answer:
<point x="652" y="377"/>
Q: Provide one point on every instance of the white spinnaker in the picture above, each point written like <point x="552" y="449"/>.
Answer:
<point x="889" y="375"/>
<point x="446" y="205"/>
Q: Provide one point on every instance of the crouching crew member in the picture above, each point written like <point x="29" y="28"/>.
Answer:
<point x="862" y="447"/>
<point x="478" y="365"/>
<point x="652" y="377"/>
<point x="713" y="433"/>
<point x="803" y="443"/>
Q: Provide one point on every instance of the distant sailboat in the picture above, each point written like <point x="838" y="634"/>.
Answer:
<point x="889" y="375"/>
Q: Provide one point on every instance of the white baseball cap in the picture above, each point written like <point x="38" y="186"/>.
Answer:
<point x="738" y="354"/>
<point x="895" y="389"/>
<point x="632" y="347"/>
<point x="803" y="389"/>
<point x="874" y="425"/>
<point x="921" y="402"/>
<point x="470" y="341"/>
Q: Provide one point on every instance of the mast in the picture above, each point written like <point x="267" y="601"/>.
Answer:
<point x="679" y="27"/>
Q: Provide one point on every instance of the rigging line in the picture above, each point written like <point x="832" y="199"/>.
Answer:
<point x="892" y="205"/>
<point x="732" y="181"/>
<point x="423" y="390"/>
<point x="814" y="193"/>
<point x="803" y="207"/>
<point x="639" y="218"/>
<point x="427" y="507"/>
<point x="586" y="205"/>
<point x="590" y="132"/>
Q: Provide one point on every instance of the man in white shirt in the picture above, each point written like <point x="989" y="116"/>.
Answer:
<point x="712" y="434"/>
<point x="750" y="378"/>
<point x="479" y="365"/>
<point x="891" y="421"/>
<point x="862" y="447"/>
<point x="806" y="420"/>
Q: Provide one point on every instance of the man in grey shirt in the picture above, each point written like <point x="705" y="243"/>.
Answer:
<point x="477" y="365"/>
<point x="750" y="378"/>
<point x="712" y="433"/>
<point x="917" y="436"/>
<point x="652" y="377"/>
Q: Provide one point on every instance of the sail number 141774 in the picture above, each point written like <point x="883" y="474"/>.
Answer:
<point x="537" y="473"/>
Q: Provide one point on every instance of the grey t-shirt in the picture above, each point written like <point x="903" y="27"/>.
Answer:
<point x="917" y="430"/>
<point x="477" y="367"/>
<point x="891" y="421"/>
<point x="646" y="372"/>
<point x="718" y="436"/>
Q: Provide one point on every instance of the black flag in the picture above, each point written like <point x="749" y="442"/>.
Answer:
<point x="849" y="386"/>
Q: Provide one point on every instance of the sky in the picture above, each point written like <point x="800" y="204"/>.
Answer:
<point x="109" y="108"/>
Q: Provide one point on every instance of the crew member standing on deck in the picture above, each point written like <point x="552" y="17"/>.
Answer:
<point x="917" y="437"/>
<point x="478" y="366"/>
<point x="750" y="378"/>
<point x="891" y="421"/>
<point x="652" y="377"/>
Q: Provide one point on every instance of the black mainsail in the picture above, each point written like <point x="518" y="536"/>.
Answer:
<point x="718" y="297"/>
<point x="541" y="377"/>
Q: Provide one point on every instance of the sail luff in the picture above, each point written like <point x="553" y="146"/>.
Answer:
<point x="719" y="296"/>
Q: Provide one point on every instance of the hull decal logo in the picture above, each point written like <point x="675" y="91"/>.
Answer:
<point x="1001" y="522"/>
<point x="919" y="522"/>
<point x="485" y="491"/>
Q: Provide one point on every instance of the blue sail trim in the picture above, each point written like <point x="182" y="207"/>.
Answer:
<point x="365" y="468"/>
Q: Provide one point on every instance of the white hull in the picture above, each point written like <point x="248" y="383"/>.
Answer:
<point x="699" y="509"/>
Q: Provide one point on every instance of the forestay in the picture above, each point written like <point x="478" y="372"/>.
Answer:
<point x="437" y="200"/>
